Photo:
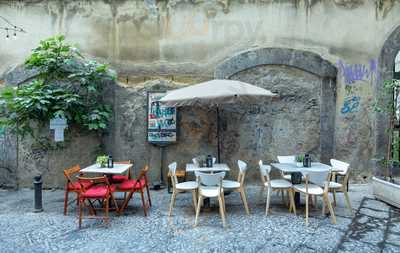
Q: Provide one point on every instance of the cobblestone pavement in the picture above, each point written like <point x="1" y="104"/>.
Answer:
<point x="375" y="226"/>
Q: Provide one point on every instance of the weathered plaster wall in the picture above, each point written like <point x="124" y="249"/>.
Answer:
<point x="184" y="40"/>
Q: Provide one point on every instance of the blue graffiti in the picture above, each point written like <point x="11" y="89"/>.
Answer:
<point x="350" y="104"/>
<point x="358" y="72"/>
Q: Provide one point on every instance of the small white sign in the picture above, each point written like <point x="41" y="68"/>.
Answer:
<point x="58" y="125"/>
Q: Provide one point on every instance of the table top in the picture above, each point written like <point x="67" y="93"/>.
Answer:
<point x="190" y="167"/>
<point x="292" y="167"/>
<point x="117" y="169"/>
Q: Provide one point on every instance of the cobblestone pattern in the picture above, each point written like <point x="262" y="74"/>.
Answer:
<point x="51" y="231"/>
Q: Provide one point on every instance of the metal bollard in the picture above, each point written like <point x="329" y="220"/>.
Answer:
<point x="37" y="184"/>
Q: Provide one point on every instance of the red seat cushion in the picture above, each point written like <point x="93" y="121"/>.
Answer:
<point x="129" y="184"/>
<point x="76" y="186"/>
<point x="119" y="178"/>
<point x="97" y="191"/>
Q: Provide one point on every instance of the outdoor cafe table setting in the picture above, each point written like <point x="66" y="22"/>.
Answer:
<point x="296" y="172"/>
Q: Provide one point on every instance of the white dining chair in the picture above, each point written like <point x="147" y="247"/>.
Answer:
<point x="210" y="186"/>
<point x="275" y="184"/>
<point x="342" y="169"/>
<point x="188" y="186"/>
<point x="238" y="186"/>
<point x="316" y="184"/>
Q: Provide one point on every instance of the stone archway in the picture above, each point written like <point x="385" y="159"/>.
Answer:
<point x="302" y="63"/>
<point x="385" y="69"/>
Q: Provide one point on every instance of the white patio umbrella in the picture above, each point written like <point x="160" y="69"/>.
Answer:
<point x="215" y="93"/>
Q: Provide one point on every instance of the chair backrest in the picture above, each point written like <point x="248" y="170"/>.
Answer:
<point x="172" y="173"/>
<point x="143" y="174"/>
<point x="242" y="171"/>
<point x="94" y="180"/>
<point x="214" y="160"/>
<point x="195" y="162"/>
<point x="339" y="165"/>
<point x="318" y="177"/>
<point x="287" y="159"/>
<point x="70" y="171"/>
<point x="214" y="179"/>
<point x="264" y="171"/>
<point x="123" y="162"/>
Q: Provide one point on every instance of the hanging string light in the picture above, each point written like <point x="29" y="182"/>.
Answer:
<point x="11" y="28"/>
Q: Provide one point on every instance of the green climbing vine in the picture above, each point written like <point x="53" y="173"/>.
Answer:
<point x="67" y="85"/>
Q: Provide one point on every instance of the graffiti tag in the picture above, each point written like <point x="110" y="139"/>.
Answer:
<point x="358" y="72"/>
<point x="350" y="105"/>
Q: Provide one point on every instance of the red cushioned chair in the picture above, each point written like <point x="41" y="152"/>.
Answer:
<point x="72" y="185"/>
<point x="100" y="190"/>
<point x="136" y="185"/>
<point x="120" y="178"/>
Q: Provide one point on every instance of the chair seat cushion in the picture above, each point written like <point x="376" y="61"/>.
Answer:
<point x="76" y="186"/>
<point x="119" y="178"/>
<point x="280" y="184"/>
<point x="209" y="191"/>
<point x="132" y="184"/>
<point x="312" y="189"/>
<point x="189" y="185"/>
<point x="335" y="185"/>
<point x="97" y="191"/>
<point x="230" y="184"/>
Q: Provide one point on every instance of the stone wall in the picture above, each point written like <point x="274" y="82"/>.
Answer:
<point x="180" y="42"/>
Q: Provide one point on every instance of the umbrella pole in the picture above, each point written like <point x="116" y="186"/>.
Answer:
<point x="218" y="138"/>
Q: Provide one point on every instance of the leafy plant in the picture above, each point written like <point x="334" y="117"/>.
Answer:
<point x="300" y="158"/>
<point x="68" y="86"/>
<point x="390" y="105"/>
<point x="102" y="160"/>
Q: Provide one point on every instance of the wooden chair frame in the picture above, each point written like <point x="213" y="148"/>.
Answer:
<point x="129" y="173"/>
<point x="105" y="201"/>
<point x="344" y="189"/>
<point x="241" y="190"/>
<point x="175" y="191"/>
<point x="68" y="173"/>
<point x="135" y="188"/>
<point x="266" y="180"/>
<point x="221" y="201"/>
<point x="325" y="198"/>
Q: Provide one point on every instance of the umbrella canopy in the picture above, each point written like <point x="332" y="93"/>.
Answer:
<point x="216" y="92"/>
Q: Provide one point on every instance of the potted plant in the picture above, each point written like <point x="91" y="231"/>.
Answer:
<point x="386" y="186"/>
<point x="102" y="161"/>
<point x="299" y="160"/>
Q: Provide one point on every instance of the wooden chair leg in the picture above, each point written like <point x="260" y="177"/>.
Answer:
<point x="171" y="205"/>
<point x="114" y="202"/>
<point x="307" y="198"/>
<point x="106" y="211"/>
<point x="198" y="210"/>
<point x="268" y="200"/>
<point x="66" y="202"/>
<point x="333" y="217"/>
<point x="148" y="195"/>
<point x="194" y="198"/>
<point x="346" y="195"/>
<point x="221" y="211"/>
<point x="244" y="199"/>
<point x="293" y="205"/>
<point x="334" y="197"/>
<point x="143" y="202"/>
<point x="126" y="201"/>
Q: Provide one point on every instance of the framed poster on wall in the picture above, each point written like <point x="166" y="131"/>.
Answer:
<point x="161" y="120"/>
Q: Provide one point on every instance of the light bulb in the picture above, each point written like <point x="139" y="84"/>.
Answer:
<point x="7" y="37"/>
<point x="15" y="35"/>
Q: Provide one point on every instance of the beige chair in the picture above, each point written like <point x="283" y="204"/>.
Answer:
<point x="342" y="169"/>
<point x="238" y="186"/>
<point x="210" y="186"/>
<point x="189" y="186"/>
<point x="275" y="185"/>
<point x="316" y="184"/>
<point x="287" y="159"/>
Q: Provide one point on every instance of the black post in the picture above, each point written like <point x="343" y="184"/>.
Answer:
<point x="218" y="140"/>
<point x="37" y="184"/>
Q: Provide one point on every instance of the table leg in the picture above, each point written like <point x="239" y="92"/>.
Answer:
<point x="296" y="178"/>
